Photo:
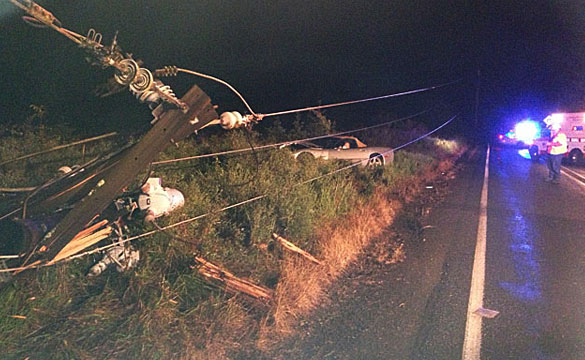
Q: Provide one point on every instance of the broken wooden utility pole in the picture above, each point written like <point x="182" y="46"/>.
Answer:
<point x="173" y="125"/>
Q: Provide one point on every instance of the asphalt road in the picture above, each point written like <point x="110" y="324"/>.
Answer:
<point x="534" y="274"/>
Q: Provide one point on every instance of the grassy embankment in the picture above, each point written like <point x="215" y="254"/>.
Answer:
<point x="163" y="308"/>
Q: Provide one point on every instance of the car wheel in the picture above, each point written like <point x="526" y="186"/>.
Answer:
<point x="305" y="157"/>
<point x="533" y="153"/>
<point x="575" y="157"/>
<point x="376" y="160"/>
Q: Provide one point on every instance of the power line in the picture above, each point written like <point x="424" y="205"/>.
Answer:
<point x="260" y="116"/>
<point x="223" y="82"/>
<point x="409" y="92"/>
<point x="59" y="147"/>
<point x="284" y="143"/>
<point x="253" y="199"/>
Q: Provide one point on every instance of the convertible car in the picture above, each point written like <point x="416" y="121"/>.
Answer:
<point x="344" y="148"/>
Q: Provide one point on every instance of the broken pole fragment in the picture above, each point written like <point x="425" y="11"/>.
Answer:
<point x="292" y="247"/>
<point x="233" y="284"/>
<point x="79" y="243"/>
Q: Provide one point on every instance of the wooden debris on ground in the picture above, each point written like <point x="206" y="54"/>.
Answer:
<point x="233" y="284"/>
<point x="292" y="247"/>
<point x="84" y="239"/>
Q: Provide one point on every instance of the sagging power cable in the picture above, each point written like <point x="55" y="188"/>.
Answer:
<point x="320" y="107"/>
<point x="259" y="197"/>
<point x="286" y="143"/>
<point x="59" y="147"/>
<point x="172" y="70"/>
<point x="172" y="236"/>
<point x="141" y="81"/>
<point x="382" y="154"/>
<point x="241" y="203"/>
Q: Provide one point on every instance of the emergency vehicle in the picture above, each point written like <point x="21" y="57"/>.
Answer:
<point x="573" y="125"/>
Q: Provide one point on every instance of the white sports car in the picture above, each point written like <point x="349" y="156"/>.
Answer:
<point x="345" y="148"/>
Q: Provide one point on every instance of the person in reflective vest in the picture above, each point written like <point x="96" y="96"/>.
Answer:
<point x="557" y="148"/>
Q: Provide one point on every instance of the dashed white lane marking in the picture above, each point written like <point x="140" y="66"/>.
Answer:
<point x="472" y="341"/>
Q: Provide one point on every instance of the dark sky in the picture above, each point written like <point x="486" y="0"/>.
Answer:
<point x="288" y="54"/>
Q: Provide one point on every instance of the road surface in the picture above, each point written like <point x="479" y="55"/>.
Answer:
<point x="534" y="275"/>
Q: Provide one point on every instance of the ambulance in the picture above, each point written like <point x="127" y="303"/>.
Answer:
<point x="573" y="125"/>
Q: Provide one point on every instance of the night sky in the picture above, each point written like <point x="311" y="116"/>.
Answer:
<point x="530" y="56"/>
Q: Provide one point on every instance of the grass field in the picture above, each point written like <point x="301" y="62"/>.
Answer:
<point x="163" y="308"/>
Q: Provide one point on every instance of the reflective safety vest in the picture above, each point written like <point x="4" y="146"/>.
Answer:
<point x="560" y="149"/>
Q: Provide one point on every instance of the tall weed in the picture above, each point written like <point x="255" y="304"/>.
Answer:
<point x="163" y="308"/>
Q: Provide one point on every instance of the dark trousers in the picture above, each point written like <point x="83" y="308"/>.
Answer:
<point x="553" y="162"/>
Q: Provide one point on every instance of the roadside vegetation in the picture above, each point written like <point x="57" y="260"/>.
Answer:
<point x="164" y="308"/>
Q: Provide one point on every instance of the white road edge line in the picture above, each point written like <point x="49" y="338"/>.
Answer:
<point x="472" y="341"/>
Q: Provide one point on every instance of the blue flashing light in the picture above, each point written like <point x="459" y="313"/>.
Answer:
<point x="526" y="131"/>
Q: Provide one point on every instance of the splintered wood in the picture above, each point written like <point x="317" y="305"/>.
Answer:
<point x="83" y="240"/>
<point x="292" y="247"/>
<point x="232" y="283"/>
